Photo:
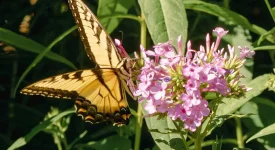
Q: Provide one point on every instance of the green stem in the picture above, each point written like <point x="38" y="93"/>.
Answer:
<point x="64" y="141"/>
<point x="224" y="142"/>
<point x="198" y="140"/>
<point x="57" y="140"/>
<point x="125" y="16"/>
<point x="181" y="135"/>
<point x="270" y="10"/>
<point x="138" y="127"/>
<point x="239" y="133"/>
<point x="195" y="24"/>
<point x="139" y="109"/>
<point x="212" y="116"/>
<point x="226" y="4"/>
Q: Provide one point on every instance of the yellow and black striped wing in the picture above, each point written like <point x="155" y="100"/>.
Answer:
<point x="98" y="44"/>
<point x="98" y="93"/>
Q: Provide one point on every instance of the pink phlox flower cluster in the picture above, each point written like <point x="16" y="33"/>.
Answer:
<point x="174" y="85"/>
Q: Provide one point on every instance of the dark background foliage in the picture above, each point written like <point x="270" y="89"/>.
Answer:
<point x="21" y="113"/>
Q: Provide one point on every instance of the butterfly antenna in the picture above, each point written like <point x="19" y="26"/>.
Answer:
<point x="121" y="35"/>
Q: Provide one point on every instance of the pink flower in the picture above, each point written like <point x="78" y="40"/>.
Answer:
<point x="246" y="52"/>
<point x="175" y="85"/>
<point x="220" y="31"/>
<point x="177" y="112"/>
<point x="158" y="90"/>
<point x="191" y="98"/>
<point x="199" y="111"/>
<point x="191" y="124"/>
<point x="150" y="107"/>
<point x="190" y="70"/>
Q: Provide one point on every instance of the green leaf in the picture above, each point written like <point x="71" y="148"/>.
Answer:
<point x="77" y="139"/>
<point x="114" y="142"/>
<point x="265" y="131"/>
<point x="166" y="20"/>
<point x="241" y="148"/>
<point x="268" y="47"/>
<point x="40" y="57"/>
<point x="230" y="105"/>
<point x="165" y="141"/>
<point x="43" y="125"/>
<point x="31" y="46"/>
<point x="254" y="121"/>
<point x="266" y="102"/>
<point x="263" y="37"/>
<point x="217" y="145"/>
<point x="218" y="11"/>
<point x="261" y="108"/>
<point x="111" y="7"/>
<point x="230" y="16"/>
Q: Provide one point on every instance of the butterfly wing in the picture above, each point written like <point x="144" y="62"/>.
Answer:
<point x="98" y="44"/>
<point x="98" y="92"/>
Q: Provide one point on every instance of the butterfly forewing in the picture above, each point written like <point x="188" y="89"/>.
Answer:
<point x="98" y="93"/>
<point x="98" y="44"/>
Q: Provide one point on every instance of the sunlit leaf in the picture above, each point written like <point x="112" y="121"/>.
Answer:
<point x="265" y="131"/>
<point x="166" y="20"/>
<point x="112" y="7"/>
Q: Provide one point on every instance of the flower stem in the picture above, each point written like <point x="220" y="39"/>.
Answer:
<point x="139" y="109"/>
<point x="198" y="140"/>
<point x="181" y="135"/>
<point x="138" y="127"/>
<point x="211" y="117"/>
<point x="239" y="133"/>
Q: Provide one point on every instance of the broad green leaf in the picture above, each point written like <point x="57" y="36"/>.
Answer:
<point x="265" y="131"/>
<point x="40" y="57"/>
<point x="261" y="108"/>
<point x="164" y="141"/>
<point x="254" y="120"/>
<point x="111" y="7"/>
<point x="31" y="46"/>
<point x="230" y="105"/>
<point x="160" y="131"/>
<point x="229" y="15"/>
<point x="43" y="125"/>
<point x="218" y="11"/>
<point x="266" y="102"/>
<point x="166" y="20"/>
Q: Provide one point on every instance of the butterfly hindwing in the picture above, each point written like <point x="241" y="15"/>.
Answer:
<point x="98" y="44"/>
<point x="98" y="94"/>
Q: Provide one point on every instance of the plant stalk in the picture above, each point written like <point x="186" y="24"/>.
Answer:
<point x="139" y="109"/>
